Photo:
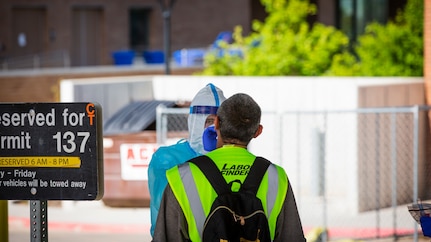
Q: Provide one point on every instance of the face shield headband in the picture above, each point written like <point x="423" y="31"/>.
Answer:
<point x="203" y="110"/>
<point x="207" y="109"/>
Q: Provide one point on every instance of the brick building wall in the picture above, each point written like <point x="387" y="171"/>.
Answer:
<point x="194" y="23"/>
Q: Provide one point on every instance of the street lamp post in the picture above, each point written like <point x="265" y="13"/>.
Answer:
<point x="167" y="6"/>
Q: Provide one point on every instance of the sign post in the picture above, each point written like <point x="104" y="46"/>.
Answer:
<point x="38" y="221"/>
<point x="50" y="151"/>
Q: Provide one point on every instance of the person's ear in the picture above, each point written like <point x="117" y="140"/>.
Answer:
<point x="258" y="131"/>
<point x="217" y="129"/>
<point x="216" y="123"/>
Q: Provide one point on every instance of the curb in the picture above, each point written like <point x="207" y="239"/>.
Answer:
<point x="24" y="223"/>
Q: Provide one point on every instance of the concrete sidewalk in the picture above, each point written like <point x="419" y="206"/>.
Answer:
<point x="82" y="221"/>
<point x="93" y="221"/>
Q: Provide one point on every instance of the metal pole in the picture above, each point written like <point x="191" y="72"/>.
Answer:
<point x="167" y="39"/>
<point x="415" y="161"/>
<point x="166" y="14"/>
<point x="298" y="154"/>
<point x="4" y="225"/>
<point x="323" y="178"/>
<point x="160" y="124"/>
<point x="394" y="172"/>
<point x="377" y="173"/>
<point x="38" y="221"/>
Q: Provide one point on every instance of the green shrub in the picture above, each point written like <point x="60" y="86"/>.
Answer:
<point x="393" y="49"/>
<point x="285" y="44"/>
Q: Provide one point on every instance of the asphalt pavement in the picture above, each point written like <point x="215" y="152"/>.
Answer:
<point x="82" y="221"/>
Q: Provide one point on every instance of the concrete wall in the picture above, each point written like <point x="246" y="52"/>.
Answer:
<point x="276" y="95"/>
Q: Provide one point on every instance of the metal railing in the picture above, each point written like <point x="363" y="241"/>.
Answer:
<point x="50" y="59"/>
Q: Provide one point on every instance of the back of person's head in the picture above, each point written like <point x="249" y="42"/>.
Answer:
<point x="238" y="118"/>
<point x="205" y="103"/>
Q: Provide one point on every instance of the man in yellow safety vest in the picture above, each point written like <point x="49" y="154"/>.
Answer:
<point x="188" y="197"/>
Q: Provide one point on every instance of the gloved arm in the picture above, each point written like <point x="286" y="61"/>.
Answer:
<point x="209" y="138"/>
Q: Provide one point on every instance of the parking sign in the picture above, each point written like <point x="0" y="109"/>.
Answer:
<point x="51" y="151"/>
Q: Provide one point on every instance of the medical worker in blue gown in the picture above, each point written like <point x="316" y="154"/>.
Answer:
<point x="202" y="113"/>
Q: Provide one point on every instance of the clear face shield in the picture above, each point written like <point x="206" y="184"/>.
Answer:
<point x="202" y="114"/>
<point x="200" y="117"/>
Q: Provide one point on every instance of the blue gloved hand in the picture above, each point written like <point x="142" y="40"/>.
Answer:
<point x="209" y="138"/>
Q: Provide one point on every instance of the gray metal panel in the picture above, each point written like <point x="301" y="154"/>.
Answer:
<point x="141" y="91"/>
<point x="113" y="96"/>
<point x="134" y="117"/>
<point x="91" y="93"/>
<point x="116" y="96"/>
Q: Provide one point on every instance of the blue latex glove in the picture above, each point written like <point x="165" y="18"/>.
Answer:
<point x="209" y="138"/>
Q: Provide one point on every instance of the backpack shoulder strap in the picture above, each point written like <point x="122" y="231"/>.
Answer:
<point x="255" y="175"/>
<point x="212" y="173"/>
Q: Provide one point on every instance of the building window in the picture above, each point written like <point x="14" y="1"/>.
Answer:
<point x="354" y="15"/>
<point x="139" y="29"/>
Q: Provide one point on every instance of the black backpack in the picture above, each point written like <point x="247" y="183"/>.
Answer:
<point x="235" y="216"/>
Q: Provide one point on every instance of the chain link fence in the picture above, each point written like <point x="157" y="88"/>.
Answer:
<point x="171" y="124"/>
<point x="354" y="172"/>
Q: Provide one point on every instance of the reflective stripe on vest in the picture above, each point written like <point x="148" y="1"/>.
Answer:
<point x="278" y="185"/>
<point x="193" y="197"/>
<point x="178" y="182"/>
<point x="272" y="195"/>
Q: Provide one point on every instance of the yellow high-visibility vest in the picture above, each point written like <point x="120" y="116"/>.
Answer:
<point x="196" y="195"/>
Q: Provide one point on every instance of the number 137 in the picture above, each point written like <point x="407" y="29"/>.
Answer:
<point x="70" y="141"/>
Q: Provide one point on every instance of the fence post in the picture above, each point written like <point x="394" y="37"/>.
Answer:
<point x="394" y="159"/>
<point x="160" y="124"/>
<point x="415" y="160"/>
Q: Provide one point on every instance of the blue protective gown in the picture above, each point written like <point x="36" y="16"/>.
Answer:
<point x="163" y="159"/>
<point x="206" y="102"/>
